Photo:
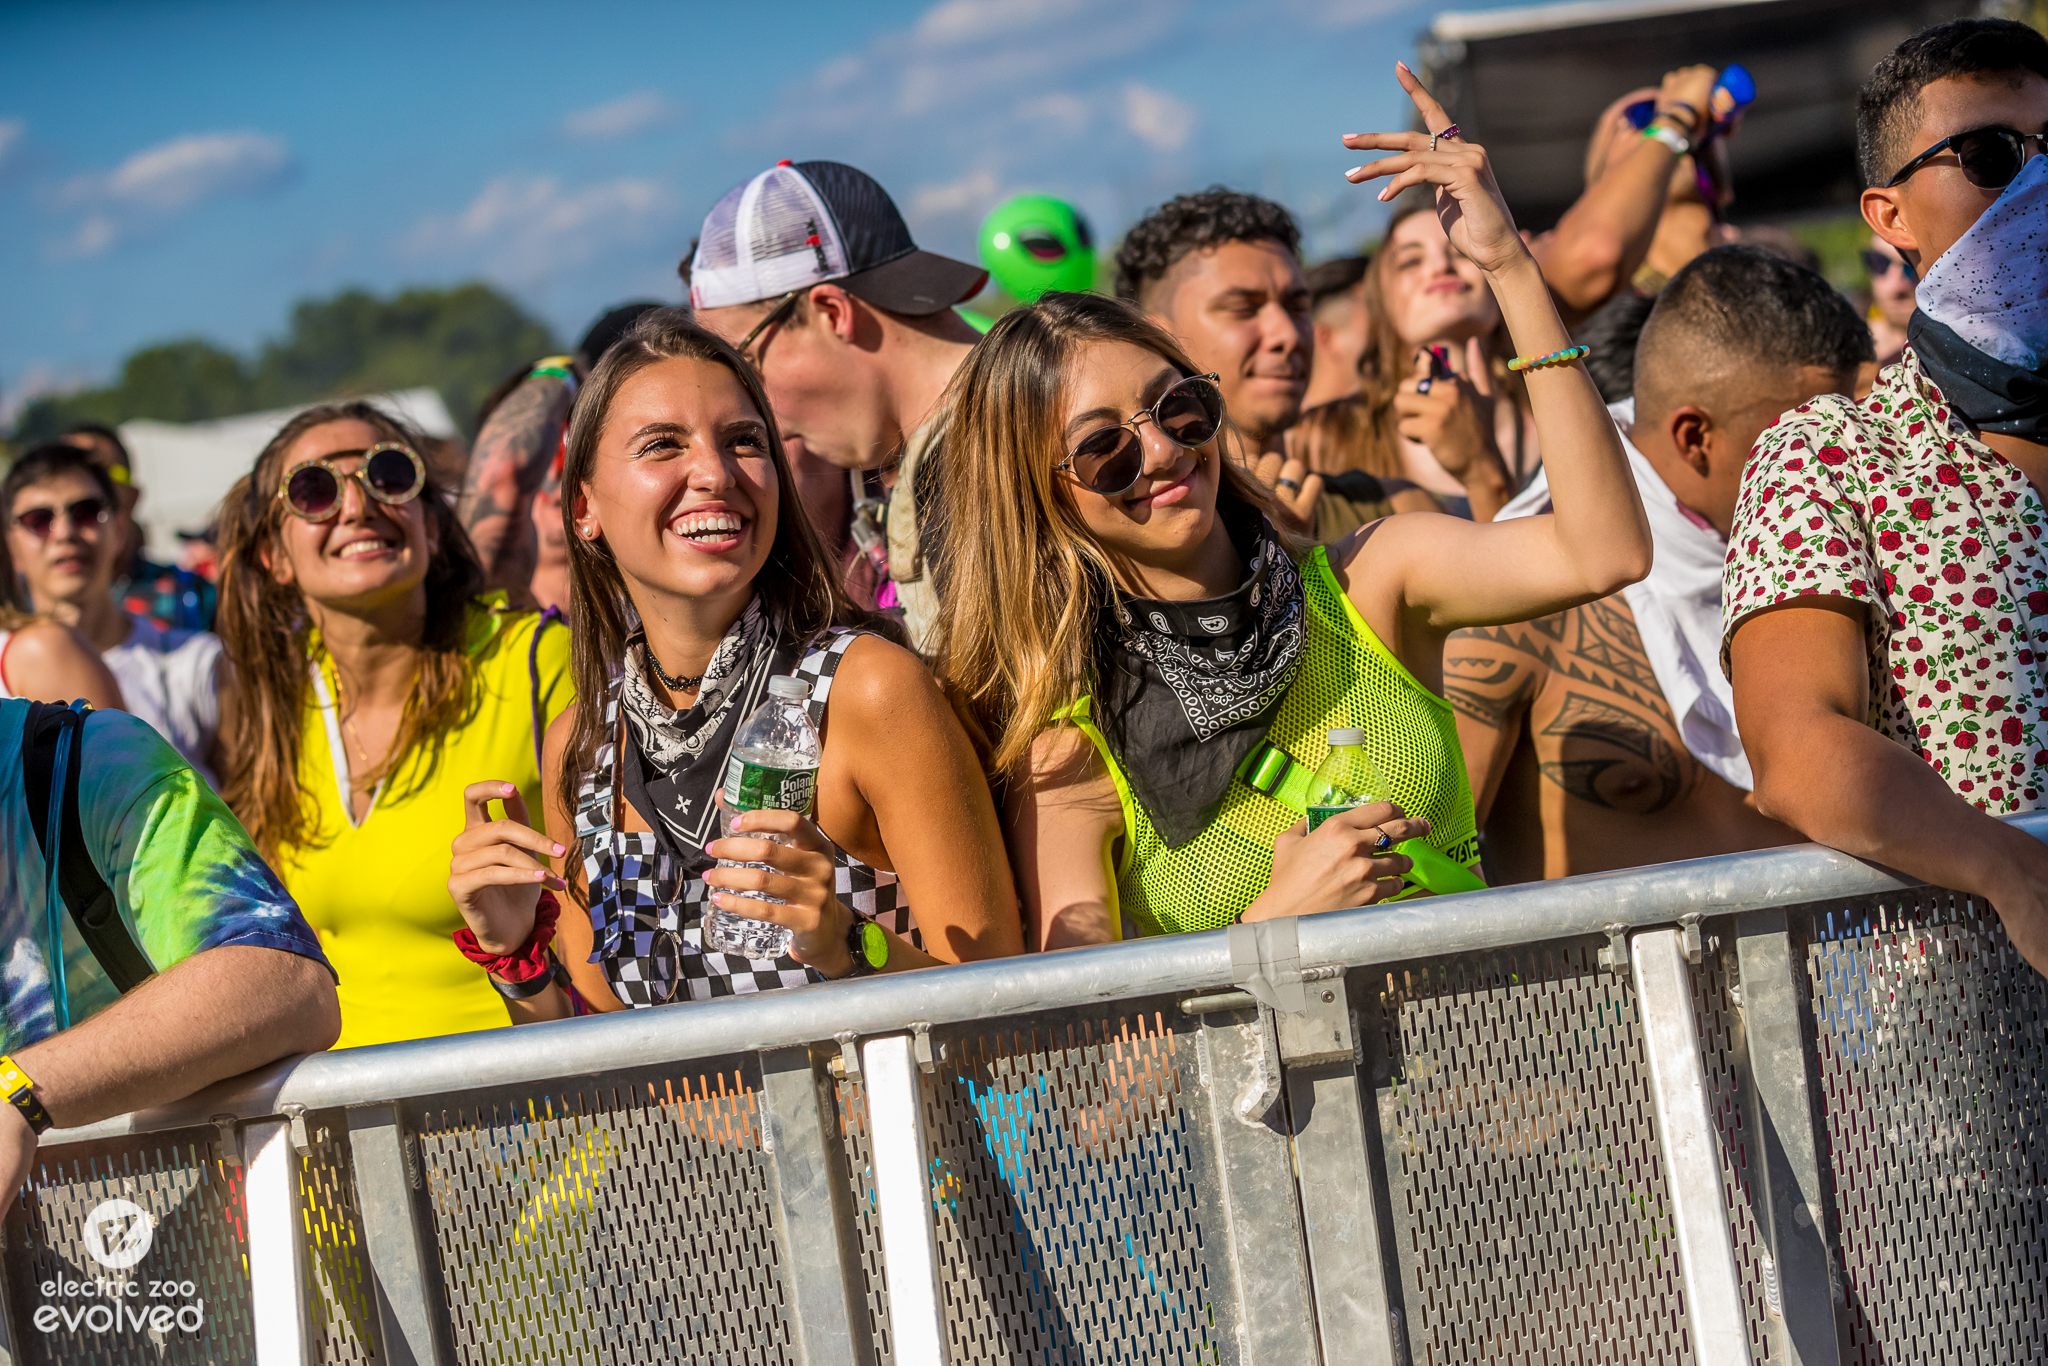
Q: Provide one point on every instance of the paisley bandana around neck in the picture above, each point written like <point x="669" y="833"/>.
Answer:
<point x="674" y="760"/>
<point x="1185" y="690"/>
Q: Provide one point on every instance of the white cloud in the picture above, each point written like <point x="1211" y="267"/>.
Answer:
<point x="173" y="176"/>
<point x="523" y="228"/>
<point x="159" y="183"/>
<point x="1336" y="14"/>
<point x="1067" y="112"/>
<point x="11" y="133"/>
<point x="973" y="194"/>
<point x="954" y="23"/>
<point x="1164" y="122"/>
<point x="964" y="57"/>
<point x="620" y="118"/>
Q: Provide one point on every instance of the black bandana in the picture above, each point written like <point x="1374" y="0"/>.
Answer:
<point x="675" y="760"/>
<point x="1185" y="690"/>
<point x="1993" y="395"/>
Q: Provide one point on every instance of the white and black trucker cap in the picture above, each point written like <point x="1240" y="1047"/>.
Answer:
<point x="804" y="223"/>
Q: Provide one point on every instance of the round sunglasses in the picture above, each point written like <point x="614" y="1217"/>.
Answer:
<point x="41" y="521"/>
<point x="1990" y="157"/>
<point x="391" y="473"/>
<point x="1109" y="460"/>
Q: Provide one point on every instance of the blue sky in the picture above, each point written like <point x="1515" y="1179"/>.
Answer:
<point x="192" y="169"/>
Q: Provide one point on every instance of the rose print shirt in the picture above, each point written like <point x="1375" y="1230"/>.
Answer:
<point x="1890" y="501"/>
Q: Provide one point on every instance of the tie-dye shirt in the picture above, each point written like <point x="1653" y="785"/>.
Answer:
<point x="184" y="873"/>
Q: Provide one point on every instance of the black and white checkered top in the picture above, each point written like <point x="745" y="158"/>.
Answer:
<point x="647" y="930"/>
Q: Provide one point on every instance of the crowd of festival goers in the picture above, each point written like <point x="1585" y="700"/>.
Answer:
<point x="1625" y="542"/>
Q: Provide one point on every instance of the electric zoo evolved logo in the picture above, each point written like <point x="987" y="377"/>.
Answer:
<point x="117" y="1235"/>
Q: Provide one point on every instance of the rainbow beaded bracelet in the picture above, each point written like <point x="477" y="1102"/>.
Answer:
<point x="1564" y="357"/>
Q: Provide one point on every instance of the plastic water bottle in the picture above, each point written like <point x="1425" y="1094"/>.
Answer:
<point x="773" y="766"/>
<point x="1347" y="777"/>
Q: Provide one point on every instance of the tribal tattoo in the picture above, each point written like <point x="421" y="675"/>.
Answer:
<point x="1607" y="742"/>
<point x="506" y="468"/>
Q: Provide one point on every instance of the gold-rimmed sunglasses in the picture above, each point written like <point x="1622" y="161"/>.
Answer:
<point x="391" y="472"/>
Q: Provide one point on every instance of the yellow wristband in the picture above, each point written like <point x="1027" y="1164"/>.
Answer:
<point x="19" y="1090"/>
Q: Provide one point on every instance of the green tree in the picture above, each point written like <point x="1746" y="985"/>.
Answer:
<point x="461" y="341"/>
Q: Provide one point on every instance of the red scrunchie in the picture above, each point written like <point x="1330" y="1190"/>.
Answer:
<point x="527" y="962"/>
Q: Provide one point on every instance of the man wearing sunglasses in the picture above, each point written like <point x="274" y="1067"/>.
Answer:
<point x="809" y="269"/>
<point x="1886" y="594"/>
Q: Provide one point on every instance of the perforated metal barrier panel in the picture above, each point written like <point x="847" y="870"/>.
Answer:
<point x="1067" y="1176"/>
<point x="1717" y="1012"/>
<point x="1102" y="1187"/>
<point x="341" y="1307"/>
<point x="859" y="1153"/>
<point x="1528" y="1195"/>
<point x="93" y="1284"/>
<point x="1933" y="1043"/>
<point x="617" y="1223"/>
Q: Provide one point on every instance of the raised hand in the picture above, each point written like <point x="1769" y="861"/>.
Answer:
<point x="1468" y="203"/>
<point x="495" y="872"/>
<point x="802" y="878"/>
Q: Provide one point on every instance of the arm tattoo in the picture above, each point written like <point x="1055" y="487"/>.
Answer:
<point x="1481" y="685"/>
<point x="1608" y="637"/>
<point x="511" y="458"/>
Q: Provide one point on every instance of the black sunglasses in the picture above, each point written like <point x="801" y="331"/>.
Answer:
<point x="1109" y="460"/>
<point x="1880" y="265"/>
<point x="1990" y="157"/>
<point x="783" y="308"/>
<point x="390" y="473"/>
<point x="39" y="522"/>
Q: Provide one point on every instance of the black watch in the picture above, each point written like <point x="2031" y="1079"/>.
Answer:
<point x="868" y="945"/>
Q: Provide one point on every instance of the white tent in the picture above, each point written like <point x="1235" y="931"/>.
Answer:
<point x="185" y="468"/>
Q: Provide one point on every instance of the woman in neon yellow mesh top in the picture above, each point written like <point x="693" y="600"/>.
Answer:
<point x="1155" y="661"/>
<point x="371" y="680"/>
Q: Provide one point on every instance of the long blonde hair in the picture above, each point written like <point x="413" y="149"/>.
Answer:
<point x="266" y="635"/>
<point x="1021" y="580"/>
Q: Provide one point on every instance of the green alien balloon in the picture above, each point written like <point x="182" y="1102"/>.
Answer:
<point x="1034" y="243"/>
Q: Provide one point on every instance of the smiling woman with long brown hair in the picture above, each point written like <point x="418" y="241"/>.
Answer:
<point x="370" y="679"/>
<point x="695" y="580"/>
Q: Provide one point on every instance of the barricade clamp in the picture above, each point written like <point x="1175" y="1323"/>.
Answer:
<point x="1689" y="937"/>
<point x="849" y="1054"/>
<point x="1615" y="956"/>
<point x="230" y="1141"/>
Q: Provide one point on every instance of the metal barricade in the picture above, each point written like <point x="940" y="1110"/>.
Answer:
<point x="1774" y="1107"/>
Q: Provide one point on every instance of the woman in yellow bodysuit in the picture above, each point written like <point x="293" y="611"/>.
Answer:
<point x="371" y="679"/>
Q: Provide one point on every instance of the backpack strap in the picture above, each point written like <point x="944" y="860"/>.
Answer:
<point x="86" y="894"/>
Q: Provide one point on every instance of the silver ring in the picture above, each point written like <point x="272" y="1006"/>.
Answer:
<point x="1385" y="843"/>
<point x="1449" y="132"/>
<point x="1287" y="483"/>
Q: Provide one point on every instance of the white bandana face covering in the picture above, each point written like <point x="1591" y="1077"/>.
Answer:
<point x="1991" y="287"/>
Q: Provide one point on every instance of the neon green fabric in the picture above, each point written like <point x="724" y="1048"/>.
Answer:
<point x="1348" y="678"/>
